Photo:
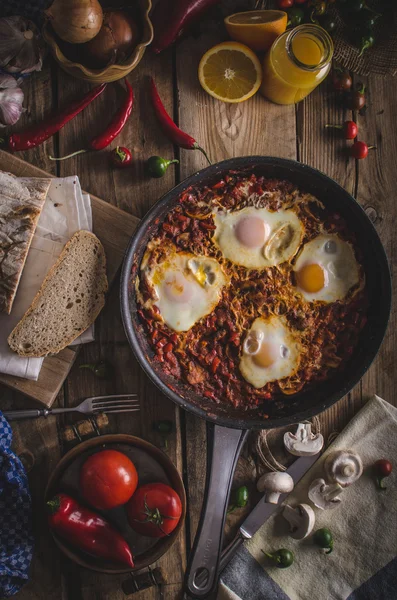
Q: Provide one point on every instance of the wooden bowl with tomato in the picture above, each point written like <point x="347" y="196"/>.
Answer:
<point x="132" y="491"/>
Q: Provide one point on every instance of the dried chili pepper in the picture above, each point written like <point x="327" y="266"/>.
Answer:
<point x="112" y="130"/>
<point x="87" y="530"/>
<point x="172" y="131"/>
<point x="171" y="18"/>
<point x="40" y="132"/>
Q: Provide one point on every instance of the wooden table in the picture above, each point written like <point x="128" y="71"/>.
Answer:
<point x="254" y="127"/>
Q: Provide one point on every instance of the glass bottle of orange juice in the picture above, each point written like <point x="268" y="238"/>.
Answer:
<point x="296" y="63"/>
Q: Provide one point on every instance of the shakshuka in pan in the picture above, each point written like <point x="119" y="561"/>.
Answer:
<point x="250" y="290"/>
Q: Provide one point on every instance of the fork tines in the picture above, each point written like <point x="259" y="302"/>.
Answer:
<point x="115" y="403"/>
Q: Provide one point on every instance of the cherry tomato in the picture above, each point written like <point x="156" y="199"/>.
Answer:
<point x="285" y="3"/>
<point x="341" y="80"/>
<point x="154" y="510"/>
<point x="107" y="479"/>
<point x="356" y="99"/>
<point x="323" y="538"/>
<point x="383" y="468"/>
<point x="360" y="150"/>
<point x="120" y="157"/>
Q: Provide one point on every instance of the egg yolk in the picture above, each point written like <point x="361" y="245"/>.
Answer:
<point x="266" y="356"/>
<point x="311" y="278"/>
<point x="252" y="232"/>
<point x="178" y="289"/>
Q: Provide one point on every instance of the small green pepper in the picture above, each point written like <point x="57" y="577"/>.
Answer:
<point x="164" y="428"/>
<point x="102" y="369"/>
<point x="367" y="41"/>
<point x="328" y="23"/>
<point x="295" y="16"/>
<point x="282" y="558"/>
<point x="323" y="538"/>
<point x="156" y="166"/>
<point x="240" y="498"/>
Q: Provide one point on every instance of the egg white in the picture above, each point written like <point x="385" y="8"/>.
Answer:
<point x="284" y="233"/>
<point x="341" y="270"/>
<point x="186" y="288"/>
<point x="286" y="349"/>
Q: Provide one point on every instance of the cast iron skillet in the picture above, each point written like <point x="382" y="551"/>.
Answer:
<point x="228" y="427"/>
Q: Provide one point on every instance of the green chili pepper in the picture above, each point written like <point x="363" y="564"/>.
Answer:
<point x="240" y="499"/>
<point x="156" y="166"/>
<point x="323" y="538"/>
<point x="367" y="41"/>
<point x="328" y="23"/>
<point x="295" y="16"/>
<point x="282" y="558"/>
<point x="102" y="370"/>
<point x="164" y="428"/>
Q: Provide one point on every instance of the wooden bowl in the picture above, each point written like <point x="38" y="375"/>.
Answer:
<point x="152" y="465"/>
<point x="112" y="72"/>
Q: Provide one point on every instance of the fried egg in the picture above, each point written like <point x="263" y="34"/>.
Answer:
<point x="256" y="237"/>
<point x="186" y="288"/>
<point x="270" y="352"/>
<point x="326" y="269"/>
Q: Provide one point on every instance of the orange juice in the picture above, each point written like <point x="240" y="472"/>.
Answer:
<point x="296" y="63"/>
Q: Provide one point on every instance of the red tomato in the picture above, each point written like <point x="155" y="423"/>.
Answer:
<point x="108" y="479"/>
<point x="154" y="510"/>
<point x="285" y="3"/>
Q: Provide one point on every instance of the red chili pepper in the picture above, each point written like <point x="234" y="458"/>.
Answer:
<point x="350" y="129"/>
<point x="208" y="226"/>
<point x="120" y="157"/>
<point x="168" y="348"/>
<point x="173" y="133"/>
<point x="40" y="132"/>
<point x="171" y="18"/>
<point x="112" y="130"/>
<point x="87" y="530"/>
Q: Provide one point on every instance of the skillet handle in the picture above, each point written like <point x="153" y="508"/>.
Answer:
<point x="223" y="449"/>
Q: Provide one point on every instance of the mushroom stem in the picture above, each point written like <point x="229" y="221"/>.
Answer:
<point x="272" y="497"/>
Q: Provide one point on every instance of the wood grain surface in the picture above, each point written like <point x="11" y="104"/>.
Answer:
<point x="254" y="127"/>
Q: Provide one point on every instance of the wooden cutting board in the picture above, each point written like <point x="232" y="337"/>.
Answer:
<point x="114" y="228"/>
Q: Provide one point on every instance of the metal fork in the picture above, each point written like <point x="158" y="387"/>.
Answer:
<point x="109" y="404"/>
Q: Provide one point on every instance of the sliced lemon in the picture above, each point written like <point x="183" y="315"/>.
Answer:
<point x="256" y="28"/>
<point x="230" y="72"/>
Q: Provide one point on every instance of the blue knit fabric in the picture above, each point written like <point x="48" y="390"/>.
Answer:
<point x="16" y="536"/>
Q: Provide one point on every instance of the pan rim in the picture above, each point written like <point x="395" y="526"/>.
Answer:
<point x="230" y="421"/>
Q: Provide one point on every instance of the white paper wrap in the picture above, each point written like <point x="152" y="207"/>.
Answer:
<point x="66" y="210"/>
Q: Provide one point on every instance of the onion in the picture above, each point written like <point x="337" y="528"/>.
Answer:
<point x="118" y="36"/>
<point x="75" y="21"/>
<point x="11" y="98"/>
<point x="21" y="47"/>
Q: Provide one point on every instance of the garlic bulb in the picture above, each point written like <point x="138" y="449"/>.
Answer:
<point x="11" y="98"/>
<point x="21" y="46"/>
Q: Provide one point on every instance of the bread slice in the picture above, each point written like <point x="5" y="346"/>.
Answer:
<point x="68" y="302"/>
<point x="21" y="202"/>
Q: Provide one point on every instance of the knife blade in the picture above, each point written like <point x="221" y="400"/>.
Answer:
<point x="264" y="510"/>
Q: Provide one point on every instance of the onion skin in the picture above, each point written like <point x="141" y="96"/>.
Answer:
<point x="118" y="36"/>
<point x="75" y="21"/>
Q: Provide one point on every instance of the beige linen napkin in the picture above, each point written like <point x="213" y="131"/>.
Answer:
<point x="364" y="525"/>
<point x="66" y="210"/>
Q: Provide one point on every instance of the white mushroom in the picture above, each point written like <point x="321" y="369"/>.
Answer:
<point x="343" y="467"/>
<point x="303" y="442"/>
<point x="275" y="484"/>
<point x="301" y="520"/>
<point x="324" y="496"/>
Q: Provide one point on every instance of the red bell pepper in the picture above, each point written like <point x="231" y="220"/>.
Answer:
<point x="87" y="530"/>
